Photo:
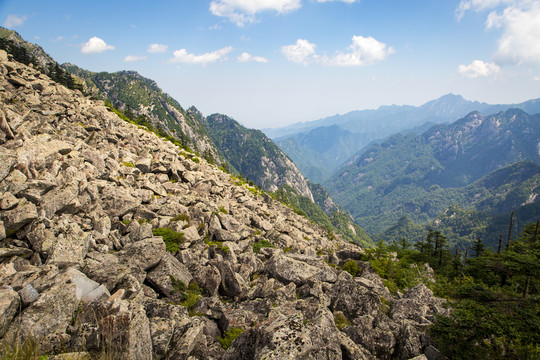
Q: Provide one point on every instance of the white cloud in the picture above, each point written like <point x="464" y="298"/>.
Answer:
<point x="303" y="52"/>
<point x="157" y="48"/>
<point x="134" y="58"/>
<point x="245" y="57"/>
<point x="345" y="1"/>
<point x="478" y="68"/>
<point x="520" y="24"/>
<point x="478" y="5"/>
<point x="14" y="20"/>
<point x="243" y="12"/>
<point x="95" y="45"/>
<point x="182" y="56"/>
<point x="520" y="40"/>
<point x="363" y="51"/>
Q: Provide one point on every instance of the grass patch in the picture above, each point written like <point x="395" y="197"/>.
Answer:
<point x="223" y="210"/>
<point x="21" y="350"/>
<point x="182" y="217"/>
<point x="189" y="295"/>
<point x="218" y="245"/>
<point x="128" y="164"/>
<point x="341" y="320"/>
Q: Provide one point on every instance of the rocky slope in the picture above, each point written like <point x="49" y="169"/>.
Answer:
<point x="41" y="58"/>
<point x="131" y="92"/>
<point x="116" y="243"/>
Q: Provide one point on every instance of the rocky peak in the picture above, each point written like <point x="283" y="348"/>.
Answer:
<point x="116" y="242"/>
<point x="255" y="156"/>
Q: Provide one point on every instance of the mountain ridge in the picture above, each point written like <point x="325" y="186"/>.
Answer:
<point x="362" y="127"/>
<point x="416" y="175"/>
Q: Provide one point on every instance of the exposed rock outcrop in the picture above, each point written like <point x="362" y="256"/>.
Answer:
<point x="114" y="241"/>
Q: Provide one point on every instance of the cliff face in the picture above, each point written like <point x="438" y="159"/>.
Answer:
<point x="116" y="242"/>
<point x="255" y="156"/>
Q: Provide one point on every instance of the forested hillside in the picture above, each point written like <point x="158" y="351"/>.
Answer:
<point x="459" y="164"/>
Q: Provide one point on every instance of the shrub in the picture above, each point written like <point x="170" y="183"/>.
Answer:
<point x="171" y="238"/>
<point x="229" y="337"/>
<point x="261" y="243"/>
<point x="189" y="295"/>
<point x="351" y="267"/>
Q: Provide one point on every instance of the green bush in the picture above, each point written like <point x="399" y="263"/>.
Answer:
<point x="229" y="337"/>
<point x="261" y="243"/>
<point x="171" y="238"/>
<point x="351" y="267"/>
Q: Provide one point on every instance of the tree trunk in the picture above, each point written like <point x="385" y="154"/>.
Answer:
<point x="527" y="283"/>
<point x="510" y="230"/>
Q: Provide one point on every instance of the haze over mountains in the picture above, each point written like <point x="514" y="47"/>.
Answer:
<point x="319" y="147"/>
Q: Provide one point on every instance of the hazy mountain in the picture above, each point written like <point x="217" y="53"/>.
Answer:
<point x="421" y="175"/>
<point x="344" y="135"/>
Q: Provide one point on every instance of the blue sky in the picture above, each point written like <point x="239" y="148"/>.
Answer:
<point x="270" y="63"/>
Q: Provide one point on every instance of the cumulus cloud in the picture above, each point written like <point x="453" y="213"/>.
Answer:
<point x="243" y="12"/>
<point x="520" y="40"/>
<point x="519" y="21"/>
<point x="182" y="56"/>
<point x="303" y="52"/>
<point x="362" y="51"/>
<point x="134" y="58"/>
<point x="14" y="21"/>
<point x="478" y="68"/>
<point x="245" y="57"/>
<point x="157" y="48"/>
<point x="95" y="45"/>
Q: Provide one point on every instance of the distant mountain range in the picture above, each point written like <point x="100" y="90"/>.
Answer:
<point x="420" y="176"/>
<point x="320" y="147"/>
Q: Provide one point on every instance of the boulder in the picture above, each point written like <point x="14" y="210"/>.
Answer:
<point x="167" y="273"/>
<point x="9" y="306"/>
<point x="18" y="217"/>
<point x="288" y="270"/>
